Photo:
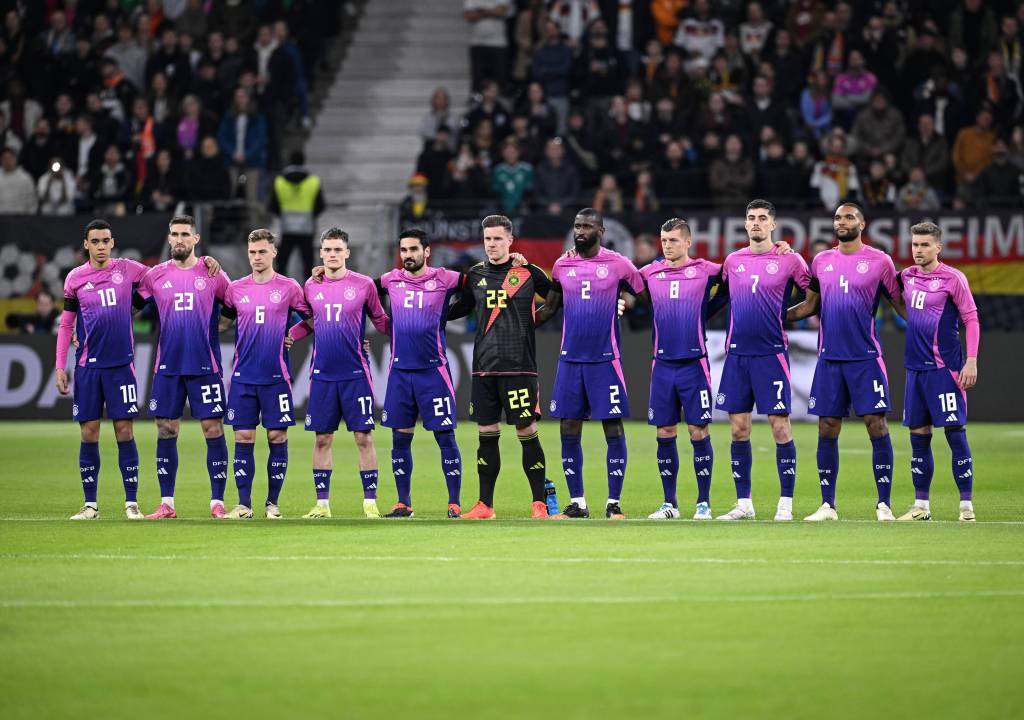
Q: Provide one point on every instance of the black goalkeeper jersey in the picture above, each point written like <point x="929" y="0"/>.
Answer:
<point x="503" y="297"/>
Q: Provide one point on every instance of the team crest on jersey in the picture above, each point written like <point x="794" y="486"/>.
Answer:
<point x="650" y="413"/>
<point x="602" y="271"/>
<point x="152" y="405"/>
<point x="553" y="406"/>
<point x="513" y="279"/>
<point x="231" y="414"/>
<point x="811" y="402"/>
<point x="116" y="277"/>
<point x="384" y="416"/>
<point x="721" y="398"/>
<point x="200" y="283"/>
<point x="430" y="285"/>
<point x="309" y="420"/>
<point x="771" y="267"/>
<point x="862" y="267"/>
<point x="74" y="410"/>
<point x="350" y="293"/>
<point x="934" y="284"/>
<point x="690" y="272"/>
<point x="275" y="296"/>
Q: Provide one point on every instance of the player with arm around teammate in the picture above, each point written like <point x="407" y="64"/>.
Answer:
<point x="261" y="390"/>
<point x="340" y="386"/>
<point x="937" y="297"/>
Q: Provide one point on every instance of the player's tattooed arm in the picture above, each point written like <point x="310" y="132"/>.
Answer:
<point x="810" y="305"/>
<point x="551" y="305"/>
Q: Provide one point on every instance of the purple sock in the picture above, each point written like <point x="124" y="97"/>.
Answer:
<point x="922" y="465"/>
<point x="703" y="462"/>
<point x="89" y="466"/>
<point x="828" y="469"/>
<point x="277" y="469"/>
<point x="401" y="465"/>
<point x="369" y="479"/>
<point x="451" y="464"/>
<point x="572" y="464"/>
<point x="128" y="461"/>
<point x="217" y="466"/>
<point x="881" y="461"/>
<point x="166" y="465"/>
<point x="963" y="463"/>
<point x="616" y="463"/>
<point x="741" y="462"/>
<point x="785" y="460"/>
<point x="245" y="466"/>
<point x="668" y="468"/>
<point x="322" y="484"/>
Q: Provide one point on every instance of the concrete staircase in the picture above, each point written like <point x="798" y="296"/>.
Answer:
<point x="365" y="141"/>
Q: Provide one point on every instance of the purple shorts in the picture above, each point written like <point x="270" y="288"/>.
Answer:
<point x="330" y="401"/>
<point x="680" y="385"/>
<point x="114" y="387"/>
<point x="589" y="391"/>
<point x="252" y="405"/>
<point x="760" y="379"/>
<point x="838" y="384"/>
<point x="426" y="394"/>
<point x="205" y="395"/>
<point x="932" y="397"/>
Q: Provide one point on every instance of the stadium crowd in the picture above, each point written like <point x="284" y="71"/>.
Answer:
<point x="672" y="104"/>
<point x="123" y="106"/>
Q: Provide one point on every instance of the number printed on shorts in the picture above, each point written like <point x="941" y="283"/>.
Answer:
<point x="365" y="404"/>
<point x="880" y="389"/>
<point x="779" y="385"/>
<point x="211" y="393"/>
<point x="705" y="399"/>
<point x="183" y="301"/>
<point x="284" y="403"/>
<point x="128" y="394"/>
<point x="948" y="402"/>
<point x="442" y="406"/>
<point x="613" y="394"/>
<point x="518" y="398"/>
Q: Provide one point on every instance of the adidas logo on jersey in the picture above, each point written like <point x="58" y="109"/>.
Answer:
<point x="704" y="473"/>
<point x="789" y="471"/>
<point x="482" y="283"/>
<point x="481" y="461"/>
<point x="880" y="405"/>
<point x="526" y="414"/>
<point x="222" y="475"/>
<point x="453" y="473"/>
<point x="89" y="286"/>
<point x="278" y="476"/>
<point x="162" y="471"/>
<point x="446" y="422"/>
<point x="829" y="268"/>
<point x="217" y="408"/>
<point x="571" y="273"/>
<point x="569" y="471"/>
<point x="706" y="416"/>
<point x="245" y="299"/>
<point x="916" y="471"/>
<point x="133" y="408"/>
<point x="319" y="296"/>
<point x="615" y="411"/>
<point x="398" y="471"/>
<point x="779" y="406"/>
<point x="167" y="285"/>
<point x="666" y="473"/>
<point x="240" y="472"/>
<point x="616" y="473"/>
<point x="661" y="276"/>
<point x="538" y="466"/>
<point x="952" y="418"/>
<point x="741" y="268"/>
<point x="286" y="418"/>
<point x="736" y="475"/>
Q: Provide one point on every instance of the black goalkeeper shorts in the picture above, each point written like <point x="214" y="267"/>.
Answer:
<point x="517" y="395"/>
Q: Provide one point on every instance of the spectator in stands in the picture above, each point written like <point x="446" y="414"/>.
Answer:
<point x="666" y="19"/>
<point x="55" y="190"/>
<point x="972" y="27"/>
<point x="439" y="115"/>
<point x="816" y="104"/>
<point x="19" y="110"/>
<point x="608" y="196"/>
<point x="788" y="66"/>
<point x="582" y="149"/>
<point x="552" y="68"/>
<point x="206" y="177"/>
<point x="1000" y="183"/>
<point x="433" y="162"/>
<point x="998" y="90"/>
<point x="16" y="47"/>
<point x="755" y="31"/>
<point x="917" y="195"/>
<point x="192" y="20"/>
<point x="701" y="34"/>
<point x="17" y="191"/>
<point x="779" y="178"/>
<point x="600" y="69"/>
<point x="529" y="138"/>
<point x="162" y="188"/>
<point x="39" y="149"/>
<point x="731" y="175"/>
<point x="835" y="177"/>
<point x="921" y="59"/>
<point x="484" y="144"/>
<point x="556" y="181"/>
<point x="664" y="125"/>
<point x="139" y="138"/>
<point x="42" y="322"/>
<point x="417" y="203"/>
<point x="718" y="117"/>
<point x="574" y="17"/>
<point x="1015" y="147"/>
<point x="275" y="82"/>
<point x="297" y="199"/>
<point x="86" y="156"/>
<point x="117" y="93"/>
<point x="111" y="184"/>
<point x="852" y="89"/>
<point x="541" y="113"/>
<point x="762" y="110"/>
<point x="242" y="138"/>
<point x="78" y="71"/>
<point x="207" y="88"/>
<point x="300" y="86"/>
<point x="193" y="124"/>
<point x="673" y="177"/>
<point x="488" y="43"/>
<point x="511" y="179"/>
<point x="929" y="152"/>
<point x="972" y="151"/>
<point x="171" y="61"/>
<point x="129" y="55"/>
<point x="469" y="177"/>
<point x="879" y="128"/>
<point x="878" y="191"/>
<point x="1011" y="46"/>
<point x="491" y="108"/>
<point x="160" y="102"/>
<point x="58" y="39"/>
<point x="645" y="197"/>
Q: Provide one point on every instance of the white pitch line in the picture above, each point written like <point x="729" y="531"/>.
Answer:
<point x="527" y="560"/>
<point x="501" y="601"/>
<point x="527" y="521"/>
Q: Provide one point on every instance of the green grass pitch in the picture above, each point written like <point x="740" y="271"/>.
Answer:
<point x="437" y="618"/>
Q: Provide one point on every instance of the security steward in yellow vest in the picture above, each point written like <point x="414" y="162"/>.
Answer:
<point x="297" y="199"/>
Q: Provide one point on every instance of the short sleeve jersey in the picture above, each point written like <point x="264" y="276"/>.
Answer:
<point x="759" y="289"/>
<point x="188" y="302"/>
<point x="264" y="310"/>
<point x="590" y="294"/>
<point x="679" y="299"/>
<point x="935" y="303"/>
<point x="340" y="307"/>
<point x="851" y="287"/>
<point x="419" y="312"/>
<point x="102" y="298"/>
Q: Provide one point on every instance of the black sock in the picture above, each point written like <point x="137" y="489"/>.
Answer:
<point x="534" y="465"/>
<point x="488" y="464"/>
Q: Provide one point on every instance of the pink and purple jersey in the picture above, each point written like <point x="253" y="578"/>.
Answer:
<point x="759" y="286"/>
<point x="264" y="310"/>
<point x="419" y="312"/>
<point x="679" y="301"/>
<point x="936" y="302"/>
<point x="851" y="287"/>
<point x="102" y="298"/>
<point x="590" y="295"/>
<point x="188" y="303"/>
<point x="340" y="308"/>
